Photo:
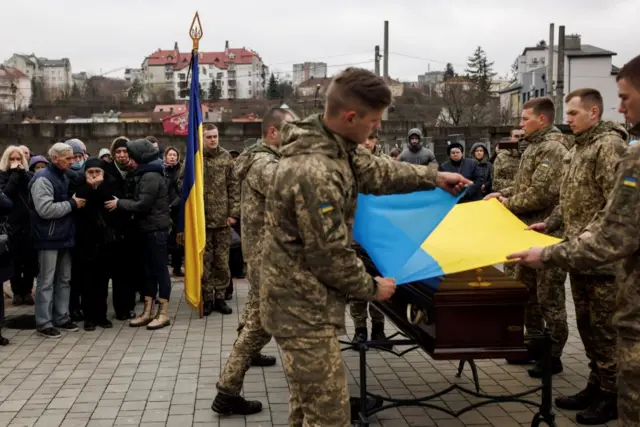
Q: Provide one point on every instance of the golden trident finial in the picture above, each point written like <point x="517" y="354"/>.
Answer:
<point x="479" y="282"/>
<point x="195" y="32"/>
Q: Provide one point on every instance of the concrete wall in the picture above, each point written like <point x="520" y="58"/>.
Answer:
<point x="40" y="136"/>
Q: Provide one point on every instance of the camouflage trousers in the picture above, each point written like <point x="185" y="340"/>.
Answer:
<point x="595" y="301"/>
<point x="319" y="395"/>
<point x="358" y="311"/>
<point x="546" y="309"/>
<point x="250" y="342"/>
<point x="216" y="274"/>
<point x="628" y="382"/>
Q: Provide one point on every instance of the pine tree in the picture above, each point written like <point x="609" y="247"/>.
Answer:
<point x="480" y="71"/>
<point x="200" y="91"/>
<point x="214" y="93"/>
<point x="135" y="92"/>
<point x="272" y="88"/>
<point x="449" y="72"/>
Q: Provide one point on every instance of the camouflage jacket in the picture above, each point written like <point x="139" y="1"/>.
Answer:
<point x="613" y="236"/>
<point x="588" y="179"/>
<point x="254" y="168"/>
<point x="221" y="190"/>
<point x="308" y="264"/>
<point x="377" y="151"/>
<point x="536" y="187"/>
<point x="504" y="169"/>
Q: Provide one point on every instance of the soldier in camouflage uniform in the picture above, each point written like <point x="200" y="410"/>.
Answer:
<point x="532" y="198"/>
<point x="585" y="189"/>
<point x="358" y="309"/>
<point x="613" y="236"/>
<point x="255" y="169"/>
<point x="504" y="172"/>
<point x="222" y="209"/>
<point x="309" y="265"/>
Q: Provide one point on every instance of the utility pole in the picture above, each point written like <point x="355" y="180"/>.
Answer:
<point x="550" y="61"/>
<point x="377" y="57"/>
<point x="386" y="50"/>
<point x="560" y="77"/>
<point x="385" y="58"/>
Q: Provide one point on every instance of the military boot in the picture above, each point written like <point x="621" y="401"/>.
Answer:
<point x="603" y="408"/>
<point x="537" y="371"/>
<point x="226" y="404"/>
<point x="221" y="306"/>
<point x="579" y="401"/>
<point x="145" y="317"/>
<point x="377" y="334"/>
<point x="360" y="335"/>
<point x="161" y="318"/>
<point x="263" y="360"/>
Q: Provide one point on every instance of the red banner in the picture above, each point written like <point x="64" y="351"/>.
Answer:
<point x="177" y="124"/>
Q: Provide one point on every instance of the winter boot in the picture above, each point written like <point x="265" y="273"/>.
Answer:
<point x="161" y="318"/>
<point x="556" y="368"/>
<point x="580" y="401"/>
<point x="603" y="408"/>
<point x="226" y="404"/>
<point x="360" y="335"/>
<point x="263" y="360"/>
<point x="220" y="305"/>
<point x="145" y="317"/>
<point x="377" y="334"/>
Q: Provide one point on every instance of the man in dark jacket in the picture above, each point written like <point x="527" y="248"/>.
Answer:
<point x="468" y="168"/>
<point x="150" y="207"/>
<point x="480" y="153"/>
<point x="53" y="231"/>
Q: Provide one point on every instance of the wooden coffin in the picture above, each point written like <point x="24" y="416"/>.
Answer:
<point x="470" y="315"/>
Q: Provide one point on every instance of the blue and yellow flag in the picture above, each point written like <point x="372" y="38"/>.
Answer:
<point x="192" y="222"/>
<point x="425" y="235"/>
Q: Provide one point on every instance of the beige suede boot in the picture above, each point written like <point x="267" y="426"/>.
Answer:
<point x="146" y="316"/>
<point x="162" y="316"/>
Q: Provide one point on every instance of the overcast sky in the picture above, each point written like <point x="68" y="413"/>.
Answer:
<point x="100" y="36"/>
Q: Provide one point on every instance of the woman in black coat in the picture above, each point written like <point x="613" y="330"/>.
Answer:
<point x="14" y="181"/>
<point x="5" y="259"/>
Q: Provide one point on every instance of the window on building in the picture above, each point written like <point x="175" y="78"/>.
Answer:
<point x="249" y="73"/>
<point x="524" y="98"/>
<point x="542" y="92"/>
<point x="182" y="76"/>
<point x="537" y="93"/>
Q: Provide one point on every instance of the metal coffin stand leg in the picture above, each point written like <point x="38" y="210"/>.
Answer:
<point x="544" y="415"/>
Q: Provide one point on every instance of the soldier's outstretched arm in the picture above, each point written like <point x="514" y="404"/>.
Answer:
<point x="545" y="183"/>
<point x="554" y="221"/>
<point x="616" y="235"/>
<point x="381" y="176"/>
<point x="319" y="209"/>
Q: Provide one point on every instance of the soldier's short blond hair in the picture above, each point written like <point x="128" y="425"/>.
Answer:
<point x="542" y="106"/>
<point x="589" y="97"/>
<point x="631" y="72"/>
<point x="357" y="89"/>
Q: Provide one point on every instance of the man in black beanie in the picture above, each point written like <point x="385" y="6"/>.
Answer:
<point x="150" y="208"/>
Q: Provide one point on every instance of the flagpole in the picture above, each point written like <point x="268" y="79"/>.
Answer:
<point x="195" y="32"/>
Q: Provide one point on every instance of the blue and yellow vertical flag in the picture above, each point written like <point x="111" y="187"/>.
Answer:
<point x="192" y="222"/>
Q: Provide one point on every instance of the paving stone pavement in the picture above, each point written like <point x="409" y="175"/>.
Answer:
<point x="133" y="377"/>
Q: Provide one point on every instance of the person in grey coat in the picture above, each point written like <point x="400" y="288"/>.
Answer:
<point x="53" y="232"/>
<point x="415" y="153"/>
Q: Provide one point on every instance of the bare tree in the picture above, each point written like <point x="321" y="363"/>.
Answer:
<point x="456" y="101"/>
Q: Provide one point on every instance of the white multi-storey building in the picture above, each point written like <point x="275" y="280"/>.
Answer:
<point x="237" y="73"/>
<point x="585" y="66"/>
<point x="54" y="74"/>
<point x="15" y="89"/>
<point x="307" y="71"/>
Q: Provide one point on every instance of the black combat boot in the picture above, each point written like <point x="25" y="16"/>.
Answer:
<point x="603" y="408"/>
<point x="225" y="404"/>
<point x="360" y="335"/>
<point x="220" y="305"/>
<point x="580" y="401"/>
<point x="556" y="368"/>
<point x="377" y="334"/>
<point x="263" y="360"/>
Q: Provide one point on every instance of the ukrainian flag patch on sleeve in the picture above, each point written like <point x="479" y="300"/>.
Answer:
<point x="544" y="164"/>
<point x="326" y="207"/>
<point x="629" y="181"/>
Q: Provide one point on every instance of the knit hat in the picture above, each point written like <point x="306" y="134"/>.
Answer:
<point x="104" y="152"/>
<point x="454" y="145"/>
<point x="92" y="163"/>
<point x="142" y="151"/>
<point x="76" y="145"/>
<point x="37" y="159"/>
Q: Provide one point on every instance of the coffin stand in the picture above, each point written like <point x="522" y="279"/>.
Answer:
<point x="470" y="315"/>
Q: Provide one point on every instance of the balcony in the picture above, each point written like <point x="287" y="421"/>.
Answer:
<point x="231" y="75"/>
